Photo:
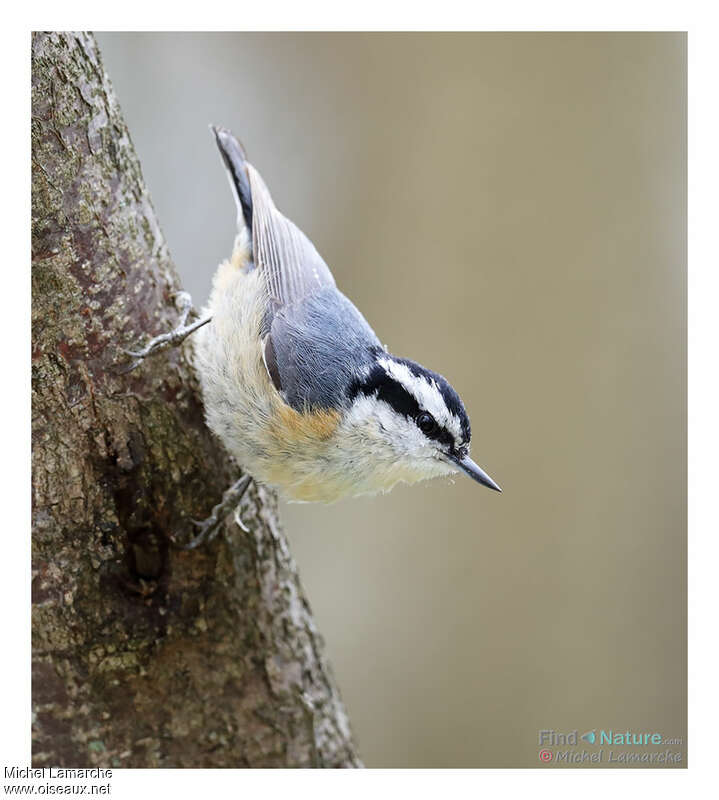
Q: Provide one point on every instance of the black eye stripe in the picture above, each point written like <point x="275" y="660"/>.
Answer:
<point x="387" y="389"/>
<point x="441" y="435"/>
<point x="451" y="398"/>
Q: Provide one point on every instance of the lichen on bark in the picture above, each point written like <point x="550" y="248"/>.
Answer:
<point x="143" y="655"/>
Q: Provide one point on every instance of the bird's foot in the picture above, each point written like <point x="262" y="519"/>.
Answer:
<point x="210" y="527"/>
<point x="172" y="338"/>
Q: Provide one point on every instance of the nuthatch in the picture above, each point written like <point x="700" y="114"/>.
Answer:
<point x="295" y="382"/>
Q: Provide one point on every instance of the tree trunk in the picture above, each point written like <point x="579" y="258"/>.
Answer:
<point x="143" y="655"/>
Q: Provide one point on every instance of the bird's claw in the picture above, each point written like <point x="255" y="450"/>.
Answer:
<point x="172" y="338"/>
<point x="210" y="527"/>
<point x="239" y="522"/>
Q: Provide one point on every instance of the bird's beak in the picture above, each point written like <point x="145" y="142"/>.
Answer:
<point x="475" y="473"/>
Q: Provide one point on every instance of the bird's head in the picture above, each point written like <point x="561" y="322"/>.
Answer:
<point x="410" y="423"/>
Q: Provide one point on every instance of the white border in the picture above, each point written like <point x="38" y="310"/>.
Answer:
<point x="704" y="397"/>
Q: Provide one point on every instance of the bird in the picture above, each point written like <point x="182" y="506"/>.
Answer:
<point x="295" y="382"/>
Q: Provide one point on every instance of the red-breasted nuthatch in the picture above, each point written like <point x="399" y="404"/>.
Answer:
<point x="296" y="384"/>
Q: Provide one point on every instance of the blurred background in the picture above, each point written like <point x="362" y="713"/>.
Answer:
<point x="510" y="210"/>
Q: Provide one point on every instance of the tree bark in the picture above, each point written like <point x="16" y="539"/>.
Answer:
<point x="143" y="655"/>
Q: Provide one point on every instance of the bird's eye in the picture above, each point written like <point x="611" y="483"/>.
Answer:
<point x="426" y="423"/>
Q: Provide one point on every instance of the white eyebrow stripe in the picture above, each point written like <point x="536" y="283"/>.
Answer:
<point x="426" y="393"/>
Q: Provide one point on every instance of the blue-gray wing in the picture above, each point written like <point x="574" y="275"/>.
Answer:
<point x="289" y="261"/>
<point x="315" y="341"/>
<point x="317" y="347"/>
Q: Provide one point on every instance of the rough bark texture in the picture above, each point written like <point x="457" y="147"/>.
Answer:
<point x="143" y="655"/>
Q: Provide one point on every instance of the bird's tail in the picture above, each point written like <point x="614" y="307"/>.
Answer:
<point x="235" y="160"/>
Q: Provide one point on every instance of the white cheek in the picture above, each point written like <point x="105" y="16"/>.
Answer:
<point x="385" y="449"/>
<point x="384" y="430"/>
